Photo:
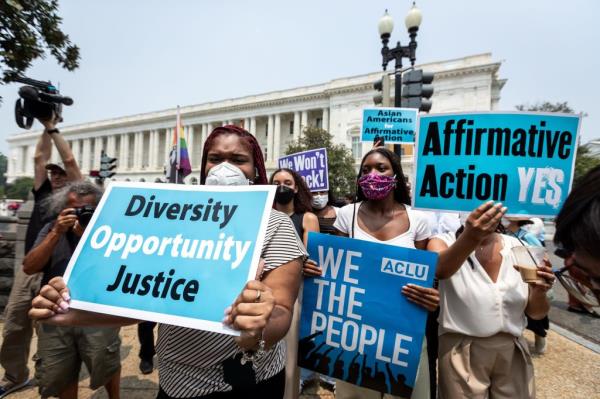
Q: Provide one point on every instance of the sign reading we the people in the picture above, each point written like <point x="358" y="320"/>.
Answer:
<point x="524" y="160"/>
<point x="394" y="125"/>
<point x="311" y="165"/>
<point x="355" y="323"/>
<point x="176" y="254"/>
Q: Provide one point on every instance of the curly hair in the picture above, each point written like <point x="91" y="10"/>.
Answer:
<point x="248" y="140"/>
<point x="401" y="194"/>
<point x="303" y="198"/>
<point x="56" y="202"/>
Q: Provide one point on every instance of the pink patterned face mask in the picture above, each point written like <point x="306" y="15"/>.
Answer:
<point x="375" y="186"/>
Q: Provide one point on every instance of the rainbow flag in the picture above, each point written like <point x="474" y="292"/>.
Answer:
<point x="179" y="159"/>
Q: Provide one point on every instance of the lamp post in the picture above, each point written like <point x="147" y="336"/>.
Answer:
<point x="385" y="27"/>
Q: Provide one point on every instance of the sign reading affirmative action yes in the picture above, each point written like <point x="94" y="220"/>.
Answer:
<point x="171" y="253"/>
<point x="524" y="160"/>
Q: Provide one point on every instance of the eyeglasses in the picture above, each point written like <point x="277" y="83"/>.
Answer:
<point x="582" y="292"/>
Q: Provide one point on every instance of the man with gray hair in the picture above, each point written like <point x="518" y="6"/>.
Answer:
<point x="61" y="350"/>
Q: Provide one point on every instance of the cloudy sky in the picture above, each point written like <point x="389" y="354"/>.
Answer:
<point x="141" y="56"/>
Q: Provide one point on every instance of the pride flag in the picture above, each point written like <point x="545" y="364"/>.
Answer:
<point x="179" y="159"/>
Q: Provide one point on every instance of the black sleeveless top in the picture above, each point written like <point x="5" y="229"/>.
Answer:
<point x="326" y="225"/>
<point x="297" y="219"/>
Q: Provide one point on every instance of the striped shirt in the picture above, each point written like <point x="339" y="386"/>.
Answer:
<point x="189" y="361"/>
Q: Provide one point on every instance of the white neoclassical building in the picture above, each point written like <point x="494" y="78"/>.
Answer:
<point x="141" y="142"/>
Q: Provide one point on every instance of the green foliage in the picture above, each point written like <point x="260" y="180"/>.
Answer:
<point x="342" y="175"/>
<point x="583" y="161"/>
<point x="3" y="168"/>
<point x="29" y="29"/>
<point x="20" y="188"/>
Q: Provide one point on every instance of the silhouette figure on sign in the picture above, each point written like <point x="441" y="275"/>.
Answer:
<point x="323" y="364"/>
<point x="310" y="361"/>
<point x="397" y="385"/>
<point x="354" y="370"/>
<point x="338" y="366"/>
<point x="307" y="344"/>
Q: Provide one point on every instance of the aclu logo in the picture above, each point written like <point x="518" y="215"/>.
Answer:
<point x="404" y="269"/>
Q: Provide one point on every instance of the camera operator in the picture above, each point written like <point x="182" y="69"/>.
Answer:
<point x="18" y="328"/>
<point x="61" y="350"/>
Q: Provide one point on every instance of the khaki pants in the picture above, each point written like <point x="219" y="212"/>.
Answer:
<point x="345" y="390"/>
<point x="495" y="367"/>
<point x="18" y="328"/>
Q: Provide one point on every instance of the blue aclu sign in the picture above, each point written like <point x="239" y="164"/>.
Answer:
<point x="524" y="160"/>
<point x="171" y="253"/>
<point x="355" y="324"/>
<point x="394" y="125"/>
<point x="311" y="165"/>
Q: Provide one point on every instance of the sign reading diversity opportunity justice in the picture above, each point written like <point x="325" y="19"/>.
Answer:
<point x="394" y="125"/>
<point x="311" y="165"/>
<point x="175" y="254"/>
<point x="524" y="160"/>
<point x="355" y="323"/>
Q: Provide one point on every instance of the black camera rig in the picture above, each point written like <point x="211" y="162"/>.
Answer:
<point x="38" y="100"/>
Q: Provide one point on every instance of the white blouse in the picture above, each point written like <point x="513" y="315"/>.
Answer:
<point x="418" y="228"/>
<point x="472" y="304"/>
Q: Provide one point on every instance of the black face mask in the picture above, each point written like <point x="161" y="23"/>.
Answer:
<point x="284" y="195"/>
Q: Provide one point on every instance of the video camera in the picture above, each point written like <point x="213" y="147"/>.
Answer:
<point x="38" y="100"/>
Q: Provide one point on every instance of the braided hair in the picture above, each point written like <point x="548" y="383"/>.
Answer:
<point x="303" y="198"/>
<point x="248" y="140"/>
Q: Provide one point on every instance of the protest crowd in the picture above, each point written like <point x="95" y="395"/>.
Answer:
<point x="476" y="310"/>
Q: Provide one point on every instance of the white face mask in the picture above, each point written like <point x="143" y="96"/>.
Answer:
<point x="226" y="174"/>
<point x="319" y="201"/>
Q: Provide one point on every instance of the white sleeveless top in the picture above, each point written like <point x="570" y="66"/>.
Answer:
<point x="472" y="304"/>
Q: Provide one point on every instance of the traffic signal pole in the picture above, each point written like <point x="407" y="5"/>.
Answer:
<point x="397" y="103"/>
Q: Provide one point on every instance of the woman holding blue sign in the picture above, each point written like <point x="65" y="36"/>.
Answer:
<point x="201" y="364"/>
<point x="382" y="214"/>
<point x="484" y="301"/>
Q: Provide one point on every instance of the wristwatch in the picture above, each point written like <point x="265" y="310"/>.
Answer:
<point x="52" y="131"/>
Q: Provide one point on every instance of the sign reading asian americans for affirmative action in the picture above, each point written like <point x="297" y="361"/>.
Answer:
<point x="311" y="165"/>
<point x="394" y="125"/>
<point x="176" y="254"/>
<point x="355" y="323"/>
<point x="524" y="160"/>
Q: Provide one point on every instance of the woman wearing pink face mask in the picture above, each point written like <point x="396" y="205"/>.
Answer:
<point x="382" y="214"/>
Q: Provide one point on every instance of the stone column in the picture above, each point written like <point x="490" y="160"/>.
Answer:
<point x="325" y="120"/>
<point x="85" y="156"/>
<point x="203" y="137"/>
<point x="247" y="124"/>
<point x="189" y="136"/>
<point x="124" y="153"/>
<point x="253" y="126"/>
<point x="270" y="137"/>
<point x="154" y="143"/>
<point x="97" y="152"/>
<point x="276" y="137"/>
<point x="75" y="149"/>
<point x="303" y="121"/>
<point x="168" y="139"/>
<point x="296" y="125"/>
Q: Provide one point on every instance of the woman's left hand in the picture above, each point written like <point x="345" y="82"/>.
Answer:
<point x="250" y="313"/>
<point x="429" y="298"/>
<point x="311" y="268"/>
<point x="547" y="276"/>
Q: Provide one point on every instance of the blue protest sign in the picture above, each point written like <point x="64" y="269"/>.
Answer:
<point x="171" y="253"/>
<point x="311" y="165"/>
<point x="524" y="160"/>
<point x="394" y="125"/>
<point x="355" y="324"/>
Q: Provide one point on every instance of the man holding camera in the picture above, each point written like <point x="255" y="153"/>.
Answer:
<point x="61" y="350"/>
<point x="18" y="328"/>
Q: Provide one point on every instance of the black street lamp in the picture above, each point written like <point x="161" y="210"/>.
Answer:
<point x="386" y="26"/>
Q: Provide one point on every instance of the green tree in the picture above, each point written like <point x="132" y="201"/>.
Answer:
<point x="342" y="175"/>
<point x="20" y="188"/>
<point x="28" y="30"/>
<point x="583" y="161"/>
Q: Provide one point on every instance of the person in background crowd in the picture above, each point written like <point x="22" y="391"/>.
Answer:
<point x="61" y="350"/>
<point x="18" y="329"/>
<point x="515" y="226"/>
<point x="577" y="235"/>
<point x="324" y="210"/>
<point x="203" y="364"/>
<point x="382" y="214"/>
<point x="537" y="229"/>
<point x="349" y="198"/>
<point x="293" y="198"/>
<point x="482" y="352"/>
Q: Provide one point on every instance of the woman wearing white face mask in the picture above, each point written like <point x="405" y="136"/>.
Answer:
<point x="324" y="211"/>
<point x="200" y="364"/>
